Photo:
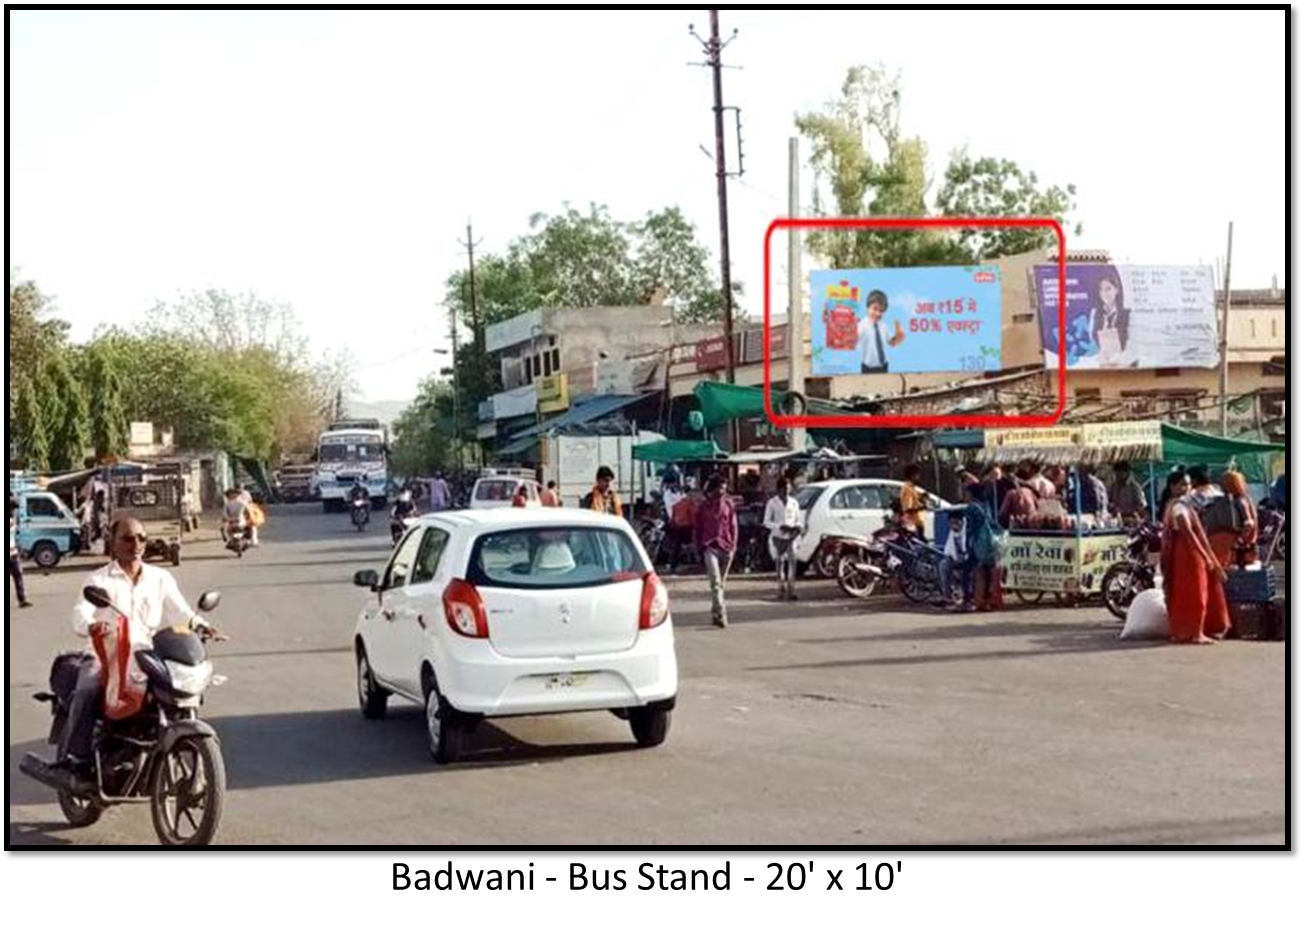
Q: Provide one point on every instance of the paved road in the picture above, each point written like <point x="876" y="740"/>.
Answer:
<point x="823" y="722"/>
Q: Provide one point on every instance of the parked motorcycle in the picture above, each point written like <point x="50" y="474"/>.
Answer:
<point x="863" y="565"/>
<point x="162" y="754"/>
<point x="1272" y="533"/>
<point x="1132" y="575"/>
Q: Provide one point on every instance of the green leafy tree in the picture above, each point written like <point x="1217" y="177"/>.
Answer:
<point x="999" y="187"/>
<point x="865" y="165"/>
<point x="29" y="421"/>
<point x="33" y="335"/>
<point x="69" y="421"/>
<point x="424" y="439"/>
<point x="109" y="428"/>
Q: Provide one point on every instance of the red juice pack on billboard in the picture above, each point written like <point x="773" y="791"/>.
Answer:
<point x="841" y="326"/>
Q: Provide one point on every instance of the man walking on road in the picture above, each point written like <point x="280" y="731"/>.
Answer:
<point x="15" y="563"/>
<point x="716" y="534"/>
<point x="783" y="521"/>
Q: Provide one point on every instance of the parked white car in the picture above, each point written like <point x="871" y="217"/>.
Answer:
<point x="857" y="507"/>
<point x="498" y="492"/>
<point x="518" y="611"/>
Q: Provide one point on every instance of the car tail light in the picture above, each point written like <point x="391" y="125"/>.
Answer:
<point x="464" y="609"/>
<point x="655" y="606"/>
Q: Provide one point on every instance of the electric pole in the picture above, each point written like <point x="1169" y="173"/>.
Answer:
<point x="796" y="376"/>
<point x="477" y="331"/>
<point x="713" y="47"/>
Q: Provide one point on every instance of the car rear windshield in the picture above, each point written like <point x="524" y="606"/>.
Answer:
<point x="495" y="490"/>
<point x="554" y="557"/>
<point x="808" y="495"/>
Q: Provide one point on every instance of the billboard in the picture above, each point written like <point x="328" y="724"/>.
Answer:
<point x="906" y="320"/>
<point x="1124" y="315"/>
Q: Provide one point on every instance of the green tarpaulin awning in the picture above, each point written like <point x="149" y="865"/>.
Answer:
<point x="676" y="451"/>
<point x="723" y="402"/>
<point x="1184" y="446"/>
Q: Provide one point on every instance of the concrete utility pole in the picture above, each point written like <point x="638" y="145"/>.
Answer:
<point x="713" y="47"/>
<point x="477" y="332"/>
<point x="1226" y="325"/>
<point x="796" y="362"/>
<point x="722" y="190"/>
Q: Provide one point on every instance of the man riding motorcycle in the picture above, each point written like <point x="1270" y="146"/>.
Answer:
<point x="235" y="515"/>
<point x="359" y="494"/>
<point x="405" y="507"/>
<point x="150" y="597"/>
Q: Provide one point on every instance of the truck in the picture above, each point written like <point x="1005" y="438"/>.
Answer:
<point x="293" y="481"/>
<point x="573" y="461"/>
<point x="47" y="530"/>
<point x="351" y="451"/>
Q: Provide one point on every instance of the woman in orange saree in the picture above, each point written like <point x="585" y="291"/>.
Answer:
<point x="1189" y="566"/>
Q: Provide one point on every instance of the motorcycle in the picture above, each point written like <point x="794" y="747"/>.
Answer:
<point x="237" y="537"/>
<point x="360" y="511"/>
<point x="162" y="754"/>
<point x="398" y="526"/>
<point x="1272" y="533"/>
<point x="1132" y="575"/>
<point x="863" y="565"/>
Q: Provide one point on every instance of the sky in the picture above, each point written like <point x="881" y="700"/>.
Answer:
<point x="332" y="159"/>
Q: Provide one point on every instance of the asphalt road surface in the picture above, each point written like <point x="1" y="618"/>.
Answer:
<point x="824" y="722"/>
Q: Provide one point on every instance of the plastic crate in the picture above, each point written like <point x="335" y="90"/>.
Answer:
<point x="1249" y="586"/>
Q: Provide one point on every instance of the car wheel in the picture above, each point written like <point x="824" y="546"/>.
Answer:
<point x="372" y="699"/>
<point x="1029" y="597"/>
<point x="46" y="554"/>
<point x="649" y="724"/>
<point x="445" y="735"/>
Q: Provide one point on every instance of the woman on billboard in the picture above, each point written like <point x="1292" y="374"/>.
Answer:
<point x="1109" y="320"/>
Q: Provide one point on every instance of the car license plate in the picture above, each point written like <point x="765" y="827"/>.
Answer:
<point x="567" y="680"/>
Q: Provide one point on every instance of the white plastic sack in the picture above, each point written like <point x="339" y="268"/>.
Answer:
<point x="1147" y="617"/>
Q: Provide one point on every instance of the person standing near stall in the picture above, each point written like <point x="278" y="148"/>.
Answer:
<point x="1189" y="569"/>
<point x="912" y="500"/>
<point x="715" y="531"/>
<point x="783" y="521"/>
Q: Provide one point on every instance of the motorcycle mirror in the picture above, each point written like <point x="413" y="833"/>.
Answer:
<point x="366" y="578"/>
<point x="97" y="596"/>
<point x="209" y="600"/>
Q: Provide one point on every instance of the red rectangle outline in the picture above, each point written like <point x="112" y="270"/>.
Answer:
<point x="917" y="421"/>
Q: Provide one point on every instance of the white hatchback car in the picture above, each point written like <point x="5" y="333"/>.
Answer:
<point x="510" y="611"/>
<point x="857" y="507"/>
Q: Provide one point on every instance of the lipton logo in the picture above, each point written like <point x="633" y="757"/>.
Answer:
<point x="984" y="276"/>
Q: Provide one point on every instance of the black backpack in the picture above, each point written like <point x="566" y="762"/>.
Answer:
<point x="1221" y="515"/>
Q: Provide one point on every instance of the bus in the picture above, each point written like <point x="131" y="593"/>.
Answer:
<point x="348" y="452"/>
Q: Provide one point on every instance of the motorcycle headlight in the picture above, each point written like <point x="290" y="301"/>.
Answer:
<point x="191" y="680"/>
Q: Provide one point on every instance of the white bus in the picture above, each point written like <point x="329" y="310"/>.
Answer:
<point x="349" y="452"/>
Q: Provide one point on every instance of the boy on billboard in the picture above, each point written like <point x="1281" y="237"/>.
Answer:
<point x="874" y="337"/>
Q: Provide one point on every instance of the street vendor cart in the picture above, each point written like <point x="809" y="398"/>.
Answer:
<point x="1066" y="552"/>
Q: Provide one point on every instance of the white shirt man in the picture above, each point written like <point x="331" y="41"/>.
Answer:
<point x="670" y="497"/>
<point x="782" y="517"/>
<point x="151" y="602"/>
<point x="875" y="339"/>
<point x="783" y="521"/>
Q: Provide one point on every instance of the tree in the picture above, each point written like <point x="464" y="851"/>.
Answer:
<point x="68" y="418"/>
<point x="669" y="259"/>
<point x="578" y="259"/>
<point x="108" y="417"/>
<point x="33" y="335"/>
<point x="999" y="187"/>
<point x="424" y="434"/>
<point x="865" y="166"/>
<point x="29" y="422"/>
<point x="233" y="323"/>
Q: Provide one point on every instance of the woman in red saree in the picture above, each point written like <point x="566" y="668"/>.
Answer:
<point x="1189" y="567"/>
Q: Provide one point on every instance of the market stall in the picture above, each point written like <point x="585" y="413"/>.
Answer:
<point x="1064" y="550"/>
